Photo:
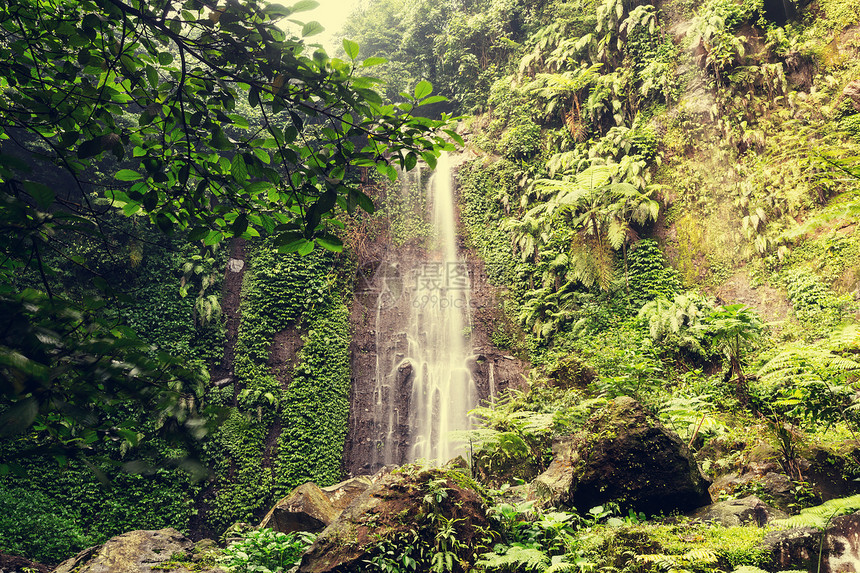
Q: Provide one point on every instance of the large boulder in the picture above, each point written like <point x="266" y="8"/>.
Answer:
<point x="776" y="487"/>
<point x="852" y="93"/>
<point x="342" y="494"/>
<point x="307" y="508"/>
<point x="742" y="511"/>
<point x="136" y="552"/>
<point x="402" y="503"/>
<point x="624" y="454"/>
<point x="556" y="483"/>
<point x="837" y="547"/>
<point x="312" y="508"/>
<point x="794" y="548"/>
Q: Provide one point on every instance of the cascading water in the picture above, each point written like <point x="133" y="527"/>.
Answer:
<point x="423" y="388"/>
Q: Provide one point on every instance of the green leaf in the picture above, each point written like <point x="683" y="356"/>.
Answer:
<point x="430" y="158"/>
<point x="369" y="62"/>
<point x="304" y="5"/>
<point x="312" y="29"/>
<point x="240" y="225"/>
<point x="128" y="175"/>
<point x="90" y="148"/>
<point x="306" y="248"/>
<point x="330" y="243"/>
<point x="152" y="76"/>
<point x="432" y="99"/>
<point x="164" y="223"/>
<point x="165" y="58"/>
<point x="423" y="89"/>
<point x="295" y="245"/>
<point x="213" y="237"/>
<point x="351" y="48"/>
<point x="238" y="169"/>
<point x="43" y="194"/>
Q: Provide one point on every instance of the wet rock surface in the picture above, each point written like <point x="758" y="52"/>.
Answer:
<point x="307" y="508"/>
<point x="835" y="550"/>
<point x="312" y="508"/>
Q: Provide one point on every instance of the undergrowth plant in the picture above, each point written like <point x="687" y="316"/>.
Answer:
<point x="267" y="551"/>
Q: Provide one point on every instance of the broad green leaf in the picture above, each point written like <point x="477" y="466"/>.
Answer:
<point x="423" y="89"/>
<point x="43" y="194"/>
<point x="90" y="148"/>
<point x="305" y="5"/>
<point x="369" y="62"/>
<point x="128" y="175"/>
<point x="312" y="29"/>
<point x="330" y="243"/>
<point x="238" y="169"/>
<point x="433" y="99"/>
<point x="351" y="48"/>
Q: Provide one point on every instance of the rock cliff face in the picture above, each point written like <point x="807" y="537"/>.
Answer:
<point x="386" y="294"/>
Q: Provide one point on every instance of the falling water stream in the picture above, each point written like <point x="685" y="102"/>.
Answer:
<point x="423" y="387"/>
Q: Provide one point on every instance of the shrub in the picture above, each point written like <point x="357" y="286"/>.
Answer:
<point x="267" y="551"/>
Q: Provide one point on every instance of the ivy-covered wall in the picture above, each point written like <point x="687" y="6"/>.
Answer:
<point x="290" y="397"/>
<point x="62" y="503"/>
<point x="285" y="414"/>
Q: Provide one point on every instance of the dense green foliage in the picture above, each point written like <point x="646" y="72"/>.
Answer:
<point x="288" y="422"/>
<point x="213" y="123"/>
<point x="666" y="198"/>
<point x="266" y="551"/>
<point x="57" y="504"/>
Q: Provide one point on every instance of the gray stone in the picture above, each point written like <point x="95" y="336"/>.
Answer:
<point x="307" y="508"/>
<point x="312" y="508"/>
<point x="134" y="552"/>
<point x="344" y="493"/>
<point x="842" y="545"/>
<point x="838" y="547"/>
<point x="739" y="512"/>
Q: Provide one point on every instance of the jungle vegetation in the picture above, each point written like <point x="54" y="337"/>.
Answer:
<point x="664" y="194"/>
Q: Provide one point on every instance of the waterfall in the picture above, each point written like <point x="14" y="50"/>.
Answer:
<point x="423" y="388"/>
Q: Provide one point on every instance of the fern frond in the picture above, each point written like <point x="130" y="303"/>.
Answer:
<point x="517" y="557"/>
<point x="820" y="515"/>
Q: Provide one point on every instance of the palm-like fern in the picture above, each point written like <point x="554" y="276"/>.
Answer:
<point x="562" y="93"/>
<point x="601" y="211"/>
<point x="678" y="321"/>
<point x="813" y="384"/>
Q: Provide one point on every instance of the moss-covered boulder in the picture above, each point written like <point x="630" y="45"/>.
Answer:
<point x="409" y="508"/>
<point x="138" y="552"/>
<point x="625" y="455"/>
